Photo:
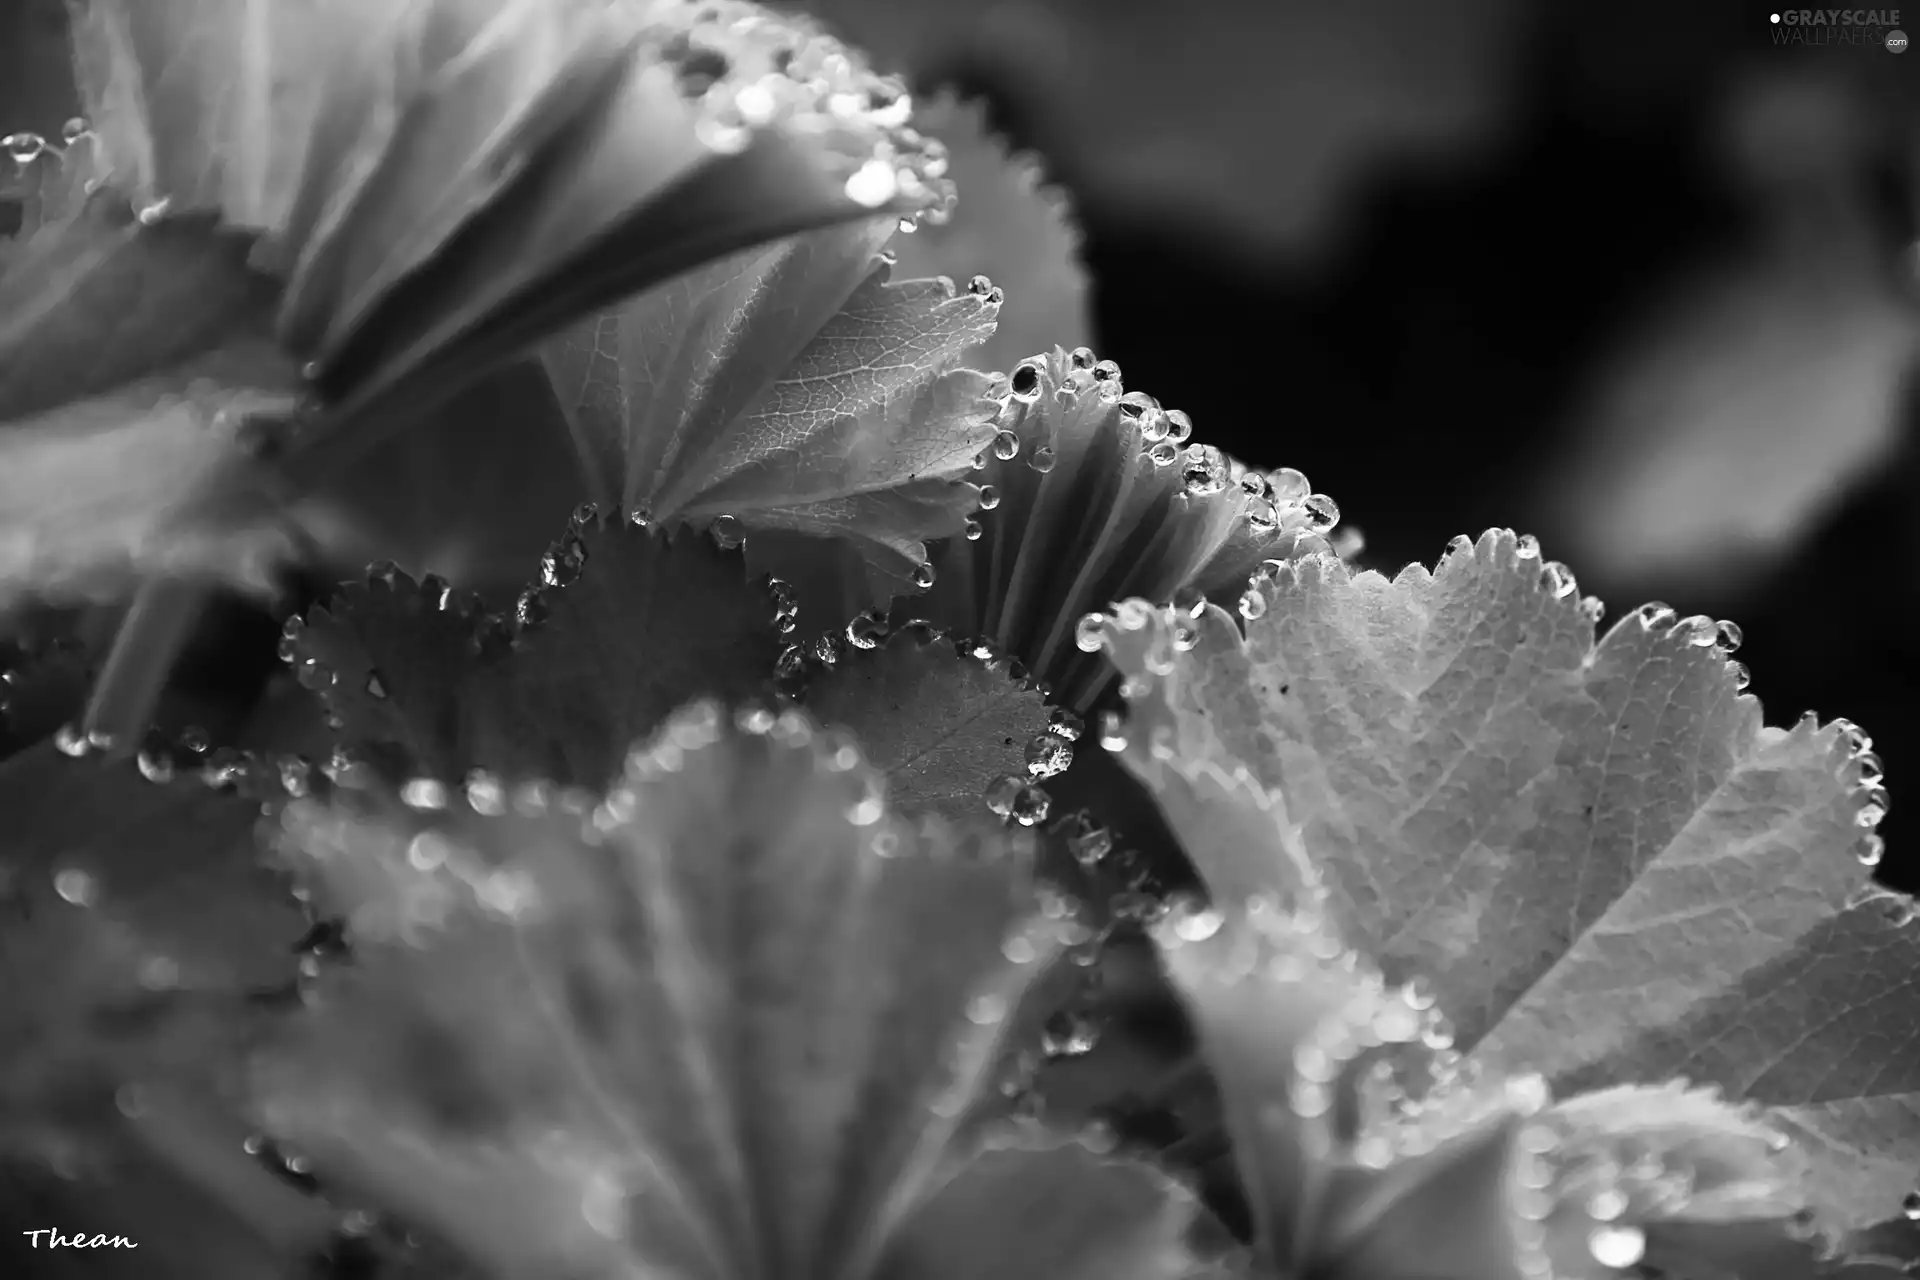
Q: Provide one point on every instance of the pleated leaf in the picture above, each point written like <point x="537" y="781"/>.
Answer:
<point x="1608" y="868"/>
<point x="724" y="1021"/>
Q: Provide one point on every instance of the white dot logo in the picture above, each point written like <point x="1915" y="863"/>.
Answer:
<point x="1775" y="18"/>
<point x="1896" y="42"/>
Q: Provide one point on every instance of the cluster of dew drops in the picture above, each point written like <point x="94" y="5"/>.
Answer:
<point x="1165" y="440"/>
<point x="744" y="69"/>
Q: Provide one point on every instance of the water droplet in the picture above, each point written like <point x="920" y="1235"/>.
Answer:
<point x="1592" y="608"/>
<point x="1526" y="547"/>
<point x="1198" y="926"/>
<point x="1288" y="485"/>
<point x="76" y="886"/>
<point x="1005" y="445"/>
<point x="1557" y="580"/>
<point x="1042" y="460"/>
<point x="1048" y="755"/>
<point x="979" y="286"/>
<point x="972" y="529"/>
<point x="867" y="630"/>
<point x="1179" y="427"/>
<point x="1025" y="385"/>
<point x="1000" y="794"/>
<point x="1617" y="1247"/>
<point x="23" y="148"/>
<point x="1910" y="1206"/>
<point x="923" y="576"/>
<point x="1741" y="676"/>
<point x="69" y="741"/>
<point x="1089" y="634"/>
<point x="640" y="518"/>
<point x="1731" y="636"/>
<point x="726" y="531"/>
<point x="986" y="1009"/>
<point x="1204" y="471"/>
<point x="1113" y="731"/>
<point x="155" y="766"/>
<point x="1656" y="616"/>
<point x="1163" y="454"/>
<point x="1069" y="1034"/>
<point x="1062" y="723"/>
<point x="1030" y="806"/>
<point x="74" y="129"/>
<point x="150" y="215"/>
<point x="376" y="687"/>
<point x="424" y="793"/>
<point x="1106" y="371"/>
<point x="872" y="184"/>
<point x="1322" y="512"/>
<point x="1870" y="851"/>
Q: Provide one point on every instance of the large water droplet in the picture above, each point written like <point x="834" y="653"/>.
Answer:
<point x="1030" y="806"/>
<point x="1321" y="511"/>
<point x="1557" y="580"/>
<point x="1288" y="485"/>
<point x="1048" y="755"/>
<point x="1163" y="454"/>
<point x="872" y="184"/>
<point x="1089" y="634"/>
<point x="1617" y="1247"/>
<point x="1025" y="386"/>
<point x="76" y="886"/>
<point x="1656" y="615"/>
<point x="1910" y="1206"/>
<point x="1204" y="471"/>
<point x="923" y="576"/>
<point x="727" y="533"/>
<point x="23" y="148"/>
<point x="1198" y="926"/>
<point x="1042" y="460"/>
<point x="69" y="741"/>
<point x="972" y="529"/>
<point x="989" y="497"/>
<point x="1253" y="604"/>
<point x="1179" y="427"/>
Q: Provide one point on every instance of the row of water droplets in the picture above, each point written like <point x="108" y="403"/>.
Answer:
<point x="745" y="69"/>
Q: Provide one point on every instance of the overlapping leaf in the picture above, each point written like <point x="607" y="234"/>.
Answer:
<point x="753" y="1007"/>
<point x="1089" y="495"/>
<point x="434" y="188"/>
<point x="790" y="395"/>
<point x="424" y="682"/>
<point x="1012" y="228"/>
<point x="1608" y="869"/>
<point x="144" y="945"/>
<point x="941" y="726"/>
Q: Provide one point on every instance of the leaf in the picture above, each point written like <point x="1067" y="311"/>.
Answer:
<point x="1098" y="496"/>
<point x="441" y="187"/>
<point x="792" y="391"/>
<point x="145" y="946"/>
<point x="426" y="683"/>
<point x="1011" y="227"/>
<point x="941" y="727"/>
<point x="1296" y="1029"/>
<point x="1057" y="1210"/>
<point x="133" y="895"/>
<point x="733" y="1020"/>
<point x="1608" y="868"/>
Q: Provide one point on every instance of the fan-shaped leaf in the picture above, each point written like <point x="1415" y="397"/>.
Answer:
<point x="1097" y="495"/>
<point x="752" y="1007"/>
<point x="424" y="682"/>
<point x="1610" y="871"/>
